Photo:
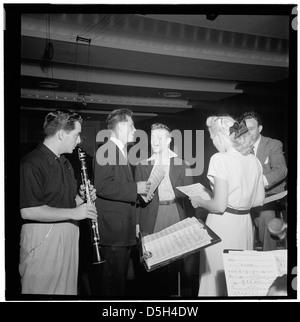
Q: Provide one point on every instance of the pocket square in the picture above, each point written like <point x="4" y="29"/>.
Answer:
<point x="267" y="160"/>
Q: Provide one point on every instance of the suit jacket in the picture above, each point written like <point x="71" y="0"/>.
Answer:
<point x="147" y="213"/>
<point x="270" y="154"/>
<point x="117" y="194"/>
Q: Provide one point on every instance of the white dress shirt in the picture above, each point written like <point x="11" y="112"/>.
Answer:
<point x="255" y="147"/>
<point x="119" y="144"/>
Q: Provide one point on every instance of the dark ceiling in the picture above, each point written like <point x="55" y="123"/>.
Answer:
<point x="151" y="63"/>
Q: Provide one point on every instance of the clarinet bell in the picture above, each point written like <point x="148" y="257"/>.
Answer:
<point x="97" y="256"/>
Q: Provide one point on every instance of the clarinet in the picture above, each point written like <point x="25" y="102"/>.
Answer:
<point x="94" y="224"/>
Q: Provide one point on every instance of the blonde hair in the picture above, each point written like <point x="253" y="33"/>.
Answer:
<point x="221" y="125"/>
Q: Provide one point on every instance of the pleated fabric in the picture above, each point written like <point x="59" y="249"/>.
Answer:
<point x="49" y="258"/>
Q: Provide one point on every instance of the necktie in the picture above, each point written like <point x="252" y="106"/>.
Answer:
<point x="126" y="157"/>
<point x="252" y="151"/>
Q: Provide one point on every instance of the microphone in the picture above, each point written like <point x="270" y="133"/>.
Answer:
<point x="277" y="227"/>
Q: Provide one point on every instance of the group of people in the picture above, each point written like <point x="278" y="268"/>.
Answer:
<point x="51" y="204"/>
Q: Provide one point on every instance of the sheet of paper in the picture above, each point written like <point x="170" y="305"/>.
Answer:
<point x="157" y="174"/>
<point x="281" y="260"/>
<point x="169" y="230"/>
<point x="196" y="190"/>
<point x="249" y="273"/>
<point x="176" y="241"/>
<point x="277" y="196"/>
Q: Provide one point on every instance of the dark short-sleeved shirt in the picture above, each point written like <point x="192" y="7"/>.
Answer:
<point x="46" y="179"/>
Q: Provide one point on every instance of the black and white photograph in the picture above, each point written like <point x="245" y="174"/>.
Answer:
<point x="150" y="154"/>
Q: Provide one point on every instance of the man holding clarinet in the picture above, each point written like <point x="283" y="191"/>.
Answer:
<point x="51" y="207"/>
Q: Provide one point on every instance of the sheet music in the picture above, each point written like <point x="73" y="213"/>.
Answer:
<point x="277" y="196"/>
<point x="185" y="236"/>
<point x="251" y="273"/>
<point x="169" y="230"/>
<point x="196" y="190"/>
<point x="281" y="261"/>
<point x="157" y="174"/>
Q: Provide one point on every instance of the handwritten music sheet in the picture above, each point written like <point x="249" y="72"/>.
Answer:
<point x="196" y="190"/>
<point x="251" y="273"/>
<point x="281" y="260"/>
<point x="157" y="174"/>
<point x="178" y="239"/>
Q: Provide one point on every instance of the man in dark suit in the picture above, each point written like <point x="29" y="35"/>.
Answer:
<point x="270" y="154"/>
<point x="167" y="205"/>
<point x="116" y="203"/>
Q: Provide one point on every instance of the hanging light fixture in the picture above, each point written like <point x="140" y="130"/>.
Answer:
<point x="49" y="49"/>
<point x="211" y="16"/>
<point x="81" y="96"/>
<point x="47" y="63"/>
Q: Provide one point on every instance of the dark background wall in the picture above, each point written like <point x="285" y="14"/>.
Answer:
<point x="271" y="101"/>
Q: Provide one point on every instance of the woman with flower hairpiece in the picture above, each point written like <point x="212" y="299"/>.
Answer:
<point x="236" y="179"/>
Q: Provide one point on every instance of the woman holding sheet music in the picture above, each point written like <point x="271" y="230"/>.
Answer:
<point x="237" y="182"/>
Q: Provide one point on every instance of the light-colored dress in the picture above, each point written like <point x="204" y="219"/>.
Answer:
<point x="246" y="189"/>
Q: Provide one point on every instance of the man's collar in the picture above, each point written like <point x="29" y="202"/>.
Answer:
<point x="118" y="143"/>
<point x="50" y="155"/>
<point x="256" y="143"/>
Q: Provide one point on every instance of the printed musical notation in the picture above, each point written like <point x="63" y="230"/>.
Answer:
<point x="179" y="239"/>
<point x="156" y="176"/>
<point x="251" y="273"/>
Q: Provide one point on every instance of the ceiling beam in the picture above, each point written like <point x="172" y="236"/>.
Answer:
<point x="99" y="76"/>
<point x="85" y="98"/>
<point x="135" y="34"/>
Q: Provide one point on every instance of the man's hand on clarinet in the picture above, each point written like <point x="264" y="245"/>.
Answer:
<point x="93" y="193"/>
<point x="92" y="190"/>
<point x="81" y="192"/>
<point x="85" y="211"/>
